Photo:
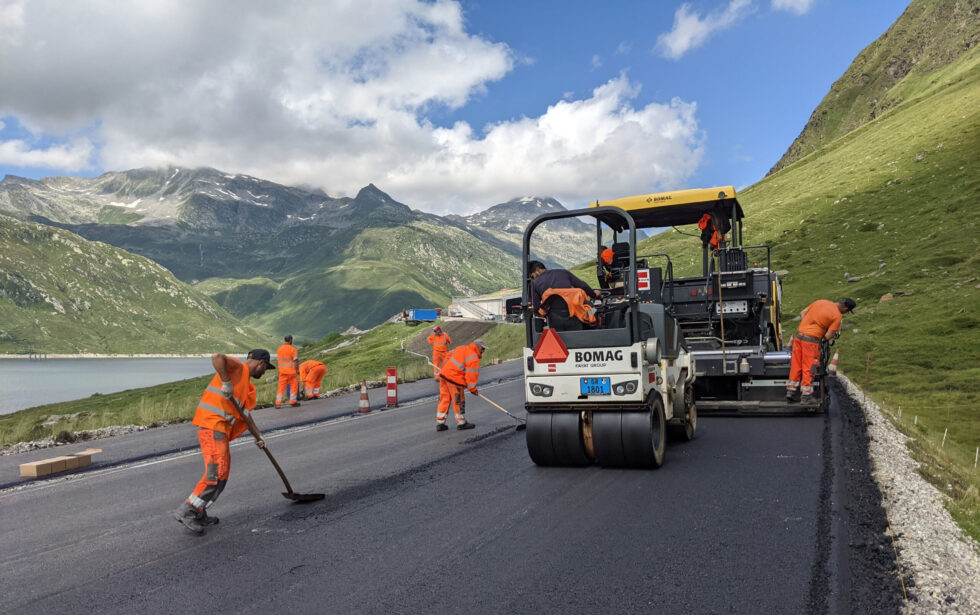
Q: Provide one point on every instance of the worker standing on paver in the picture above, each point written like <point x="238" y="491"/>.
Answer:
<point x="311" y="374"/>
<point x="820" y="321"/>
<point x="288" y="360"/>
<point x="223" y="414"/>
<point x="460" y="371"/>
<point x="440" y="342"/>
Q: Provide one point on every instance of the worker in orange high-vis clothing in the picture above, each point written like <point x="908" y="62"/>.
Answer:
<point x="288" y="362"/>
<point x="460" y="371"/>
<point x="821" y="320"/>
<point x="223" y="414"/>
<point x="311" y="374"/>
<point x="440" y="342"/>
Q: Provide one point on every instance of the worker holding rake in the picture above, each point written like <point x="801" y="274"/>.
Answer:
<point x="819" y="322"/>
<point x="223" y="414"/>
<point x="459" y="372"/>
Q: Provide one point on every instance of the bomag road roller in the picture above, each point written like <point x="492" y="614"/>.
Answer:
<point x="608" y="392"/>
<point x="729" y="316"/>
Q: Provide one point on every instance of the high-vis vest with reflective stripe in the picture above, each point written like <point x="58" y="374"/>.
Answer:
<point x="217" y="412"/>
<point x="440" y="341"/>
<point x="287" y="359"/>
<point x="462" y="366"/>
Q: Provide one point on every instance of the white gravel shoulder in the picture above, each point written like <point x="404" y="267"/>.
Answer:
<point x="941" y="558"/>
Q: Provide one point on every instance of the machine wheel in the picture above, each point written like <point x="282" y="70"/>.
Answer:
<point x="631" y="439"/>
<point x="607" y="438"/>
<point x="555" y="439"/>
<point x="685" y="430"/>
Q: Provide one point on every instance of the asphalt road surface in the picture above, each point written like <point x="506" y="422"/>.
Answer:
<point x="756" y="515"/>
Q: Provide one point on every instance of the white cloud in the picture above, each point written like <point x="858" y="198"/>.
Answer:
<point x="72" y="156"/>
<point x="691" y="30"/>
<point x="800" y="7"/>
<point x="334" y="95"/>
<point x="624" y="47"/>
<point x="596" y="61"/>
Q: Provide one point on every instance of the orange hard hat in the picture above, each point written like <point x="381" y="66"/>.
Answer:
<point x="607" y="256"/>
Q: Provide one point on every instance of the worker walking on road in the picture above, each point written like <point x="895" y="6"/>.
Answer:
<point x="440" y="342"/>
<point x="820" y="321"/>
<point x="223" y="414"/>
<point x="460" y="371"/>
<point x="311" y="374"/>
<point x="288" y="359"/>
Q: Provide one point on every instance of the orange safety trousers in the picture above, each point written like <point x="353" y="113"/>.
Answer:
<point x="313" y="380"/>
<point x="291" y="381"/>
<point x="806" y="356"/>
<point x="451" y="394"/>
<point x="217" y="465"/>
<point x="438" y="356"/>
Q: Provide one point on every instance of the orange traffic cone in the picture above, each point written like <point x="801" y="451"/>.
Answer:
<point x="364" y="406"/>
<point x="832" y="368"/>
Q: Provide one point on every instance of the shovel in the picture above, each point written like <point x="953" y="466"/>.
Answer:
<point x="523" y="424"/>
<point x="288" y="493"/>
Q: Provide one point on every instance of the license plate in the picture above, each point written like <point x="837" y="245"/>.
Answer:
<point x="594" y="386"/>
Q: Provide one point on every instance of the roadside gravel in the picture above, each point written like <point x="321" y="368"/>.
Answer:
<point x="933" y="550"/>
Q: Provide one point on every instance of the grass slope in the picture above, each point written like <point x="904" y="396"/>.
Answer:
<point x="894" y="203"/>
<point x="60" y="293"/>
<point x="365" y="357"/>
<point x="378" y="272"/>
<point x="929" y="35"/>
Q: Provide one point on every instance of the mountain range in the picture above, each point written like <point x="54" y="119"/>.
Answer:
<point x="290" y="259"/>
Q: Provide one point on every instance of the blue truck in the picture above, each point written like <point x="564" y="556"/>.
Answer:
<point x="415" y="316"/>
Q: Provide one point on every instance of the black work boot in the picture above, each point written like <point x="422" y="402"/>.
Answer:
<point x="188" y="516"/>
<point x="792" y="396"/>
<point x="205" y="519"/>
<point x="441" y="427"/>
<point x="807" y="399"/>
<point x="465" y="426"/>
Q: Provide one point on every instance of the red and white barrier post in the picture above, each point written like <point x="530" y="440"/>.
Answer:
<point x="392" y="374"/>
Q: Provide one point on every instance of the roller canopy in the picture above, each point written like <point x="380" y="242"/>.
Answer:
<point x="673" y="208"/>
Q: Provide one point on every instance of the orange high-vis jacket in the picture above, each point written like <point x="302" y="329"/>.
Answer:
<point x="821" y="316"/>
<point x="462" y="366"/>
<point x="576" y="299"/>
<point x="287" y="359"/>
<point x="217" y="412"/>
<point x="440" y="341"/>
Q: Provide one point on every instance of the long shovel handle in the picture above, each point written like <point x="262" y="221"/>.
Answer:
<point x="282" y="474"/>
<point x="258" y="436"/>
<point x="499" y="407"/>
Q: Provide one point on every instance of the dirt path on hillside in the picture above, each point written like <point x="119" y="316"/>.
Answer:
<point x="461" y="332"/>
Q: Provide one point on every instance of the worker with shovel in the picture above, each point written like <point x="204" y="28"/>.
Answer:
<point x="460" y="371"/>
<point x="222" y="415"/>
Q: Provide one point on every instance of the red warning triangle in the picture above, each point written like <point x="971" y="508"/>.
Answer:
<point x="550" y="348"/>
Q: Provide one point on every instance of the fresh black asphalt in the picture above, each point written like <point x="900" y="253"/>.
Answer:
<point x="756" y="515"/>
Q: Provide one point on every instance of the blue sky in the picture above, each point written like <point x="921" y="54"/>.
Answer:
<point x="448" y="106"/>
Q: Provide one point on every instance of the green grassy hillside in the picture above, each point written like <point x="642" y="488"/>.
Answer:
<point x="893" y="203"/>
<point x="60" y="293"/>
<point x="928" y="36"/>
<point x="368" y="276"/>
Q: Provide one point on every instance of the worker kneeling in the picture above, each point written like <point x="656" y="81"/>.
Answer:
<point x="311" y="374"/>
<point x="460" y="371"/>
<point x="223" y="414"/>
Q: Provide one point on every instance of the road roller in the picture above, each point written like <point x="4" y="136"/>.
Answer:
<point x="605" y="388"/>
